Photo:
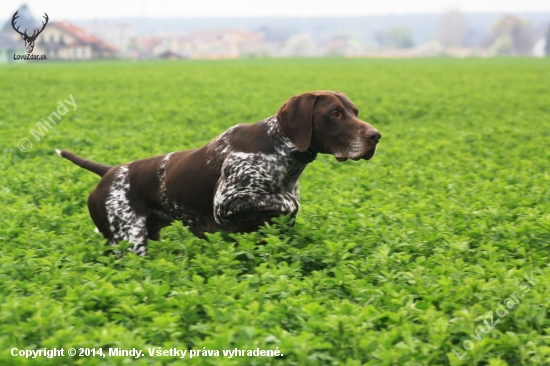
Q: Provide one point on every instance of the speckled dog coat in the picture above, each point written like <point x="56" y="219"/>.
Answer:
<point x="237" y="182"/>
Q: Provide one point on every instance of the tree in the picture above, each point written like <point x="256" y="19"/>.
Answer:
<point x="451" y="29"/>
<point x="299" y="45"/>
<point x="379" y="36"/>
<point x="399" y="37"/>
<point x="503" y="46"/>
<point x="519" y="32"/>
<point x="547" y="48"/>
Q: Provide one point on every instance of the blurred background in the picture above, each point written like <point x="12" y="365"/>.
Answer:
<point x="161" y="29"/>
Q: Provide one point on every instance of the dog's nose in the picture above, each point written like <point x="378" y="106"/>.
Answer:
<point x="374" y="135"/>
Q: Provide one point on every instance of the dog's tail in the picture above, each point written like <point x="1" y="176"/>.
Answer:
<point x="97" y="168"/>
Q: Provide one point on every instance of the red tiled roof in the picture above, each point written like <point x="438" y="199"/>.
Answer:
<point x="82" y="36"/>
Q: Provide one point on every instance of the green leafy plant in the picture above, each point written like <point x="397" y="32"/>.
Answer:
<point x="394" y="261"/>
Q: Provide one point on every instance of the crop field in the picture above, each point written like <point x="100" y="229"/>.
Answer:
<point x="435" y="252"/>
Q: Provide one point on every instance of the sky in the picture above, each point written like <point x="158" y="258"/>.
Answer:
<point x="97" y="9"/>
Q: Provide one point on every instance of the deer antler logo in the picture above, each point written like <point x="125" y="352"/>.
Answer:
<point x="29" y="40"/>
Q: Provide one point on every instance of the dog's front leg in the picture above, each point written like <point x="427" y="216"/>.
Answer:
<point x="256" y="207"/>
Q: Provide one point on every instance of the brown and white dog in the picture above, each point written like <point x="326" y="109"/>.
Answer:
<point x="237" y="182"/>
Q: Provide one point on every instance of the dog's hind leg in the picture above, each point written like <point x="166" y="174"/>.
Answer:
<point x="123" y="220"/>
<point x="125" y="224"/>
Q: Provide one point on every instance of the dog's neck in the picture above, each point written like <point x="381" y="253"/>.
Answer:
<point x="304" y="157"/>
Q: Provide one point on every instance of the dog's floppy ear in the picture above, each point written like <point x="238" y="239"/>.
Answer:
<point x="295" y="117"/>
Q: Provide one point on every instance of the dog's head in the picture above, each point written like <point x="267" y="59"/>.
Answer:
<point x="328" y="122"/>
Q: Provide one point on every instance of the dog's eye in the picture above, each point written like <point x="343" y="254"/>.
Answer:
<point x="334" y="114"/>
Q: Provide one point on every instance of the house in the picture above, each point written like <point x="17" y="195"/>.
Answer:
<point x="152" y="47"/>
<point x="217" y="44"/>
<point x="169" y="55"/>
<point x="214" y="44"/>
<point x="66" y="41"/>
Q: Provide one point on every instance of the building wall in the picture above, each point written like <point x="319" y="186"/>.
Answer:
<point x="56" y="44"/>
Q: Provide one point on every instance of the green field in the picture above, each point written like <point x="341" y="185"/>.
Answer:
<point x="396" y="261"/>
